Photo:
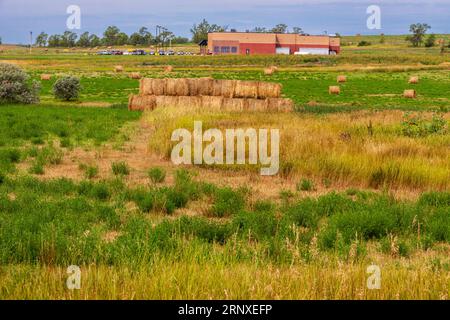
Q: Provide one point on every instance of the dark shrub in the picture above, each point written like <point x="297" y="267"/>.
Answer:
<point x="67" y="88"/>
<point x="227" y="202"/>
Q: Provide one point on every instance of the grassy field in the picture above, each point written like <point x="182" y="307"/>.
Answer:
<point x="364" y="179"/>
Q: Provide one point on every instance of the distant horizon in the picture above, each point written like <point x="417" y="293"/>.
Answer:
<point x="346" y="17"/>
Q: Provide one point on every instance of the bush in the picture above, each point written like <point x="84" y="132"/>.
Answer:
<point x="2" y="177"/>
<point x="157" y="175"/>
<point x="120" y="168"/>
<point x="227" y="202"/>
<point x="67" y="88"/>
<point x="364" y="43"/>
<point x="14" y="86"/>
<point x="416" y="126"/>
<point x="89" y="171"/>
<point x="305" y="185"/>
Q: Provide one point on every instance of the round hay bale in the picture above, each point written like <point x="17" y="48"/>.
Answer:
<point x="269" y="90"/>
<point x="159" y="87"/>
<point x="216" y="88"/>
<point x="411" y="94"/>
<point x="189" y="102"/>
<point x="246" y="89"/>
<point x="146" y="86"/>
<point x="312" y="103"/>
<point x="280" y="105"/>
<point x="177" y="87"/>
<point x="118" y="68"/>
<point x="341" y="79"/>
<point x="268" y="71"/>
<point x="212" y="103"/>
<point x="203" y="87"/>
<point x="46" y="77"/>
<point x="228" y="88"/>
<point x="414" y="80"/>
<point x="334" y="90"/>
<point x="141" y="103"/>
<point x="135" y="75"/>
<point x="258" y="105"/>
<point x="168" y="69"/>
<point x="166" y="101"/>
<point x="234" y="104"/>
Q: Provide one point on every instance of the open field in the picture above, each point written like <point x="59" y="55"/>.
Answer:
<point x="364" y="179"/>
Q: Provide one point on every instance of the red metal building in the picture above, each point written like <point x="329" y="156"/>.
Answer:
<point x="271" y="43"/>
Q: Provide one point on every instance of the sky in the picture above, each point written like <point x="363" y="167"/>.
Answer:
<point x="347" y="17"/>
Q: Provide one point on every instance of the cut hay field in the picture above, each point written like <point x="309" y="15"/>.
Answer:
<point x="364" y="179"/>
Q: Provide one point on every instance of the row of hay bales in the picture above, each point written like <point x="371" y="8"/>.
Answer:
<point x="210" y="87"/>
<point x="409" y="93"/>
<point x="210" y="94"/>
<point x="211" y="103"/>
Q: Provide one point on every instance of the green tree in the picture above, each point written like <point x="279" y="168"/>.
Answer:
<point x="41" y="39"/>
<point x="279" y="28"/>
<point x="418" y="31"/>
<point x="122" y="39"/>
<point x="298" y="30"/>
<point x="68" y="39"/>
<point x="135" y="39"/>
<point x="83" y="41"/>
<point x="94" y="40"/>
<point x="146" y="36"/>
<point x="431" y="41"/>
<point x="0" y="40"/>
<point x="200" y="31"/>
<point x="54" y="40"/>
<point x="259" y="29"/>
<point x="110" y="35"/>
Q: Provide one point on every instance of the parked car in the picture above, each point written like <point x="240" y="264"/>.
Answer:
<point x="104" y="53"/>
<point x="161" y="52"/>
<point x="116" y="52"/>
<point x="170" y="53"/>
<point x="152" y="53"/>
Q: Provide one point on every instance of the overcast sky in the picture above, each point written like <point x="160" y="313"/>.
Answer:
<point x="348" y="17"/>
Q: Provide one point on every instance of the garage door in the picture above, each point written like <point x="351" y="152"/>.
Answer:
<point x="320" y="51"/>
<point x="282" y="50"/>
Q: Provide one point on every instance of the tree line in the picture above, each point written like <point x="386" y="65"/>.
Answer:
<point x="112" y="36"/>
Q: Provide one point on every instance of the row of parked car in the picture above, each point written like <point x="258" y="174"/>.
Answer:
<point x="143" y="53"/>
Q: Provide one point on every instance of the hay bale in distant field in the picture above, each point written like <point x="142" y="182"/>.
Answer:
<point x="280" y="105"/>
<point x="141" y="102"/>
<point x="414" y="80"/>
<point x="201" y="86"/>
<point x="135" y="75"/>
<point x="212" y="103"/>
<point x="246" y="89"/>
<point x="234" y="104"/>
<point x="46" y="77"/>
<point x="118" y="68"/>
<point x="177" y="87"/>
<point x="341" y="79"/>
<point x="410" y="94"/>
<point x="334" y="90"/>
<point x="269" y="90"/>
<point x="268" y="71"/>
<point x="167" y="101"/>
<point x="258" y="105"/>
<point x="168" y="69"/>
<point x="312" y="103"/>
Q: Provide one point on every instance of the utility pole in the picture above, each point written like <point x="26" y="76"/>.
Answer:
<point x="31" y="40"/>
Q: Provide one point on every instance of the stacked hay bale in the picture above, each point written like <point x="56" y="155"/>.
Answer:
<point x="411" y="94"/>
<point x="210" y="94"/>
<point x="414" y="80"/>
<point x="334" y="90"/>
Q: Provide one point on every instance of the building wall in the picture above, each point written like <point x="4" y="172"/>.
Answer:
<point x="266" y="43"/>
